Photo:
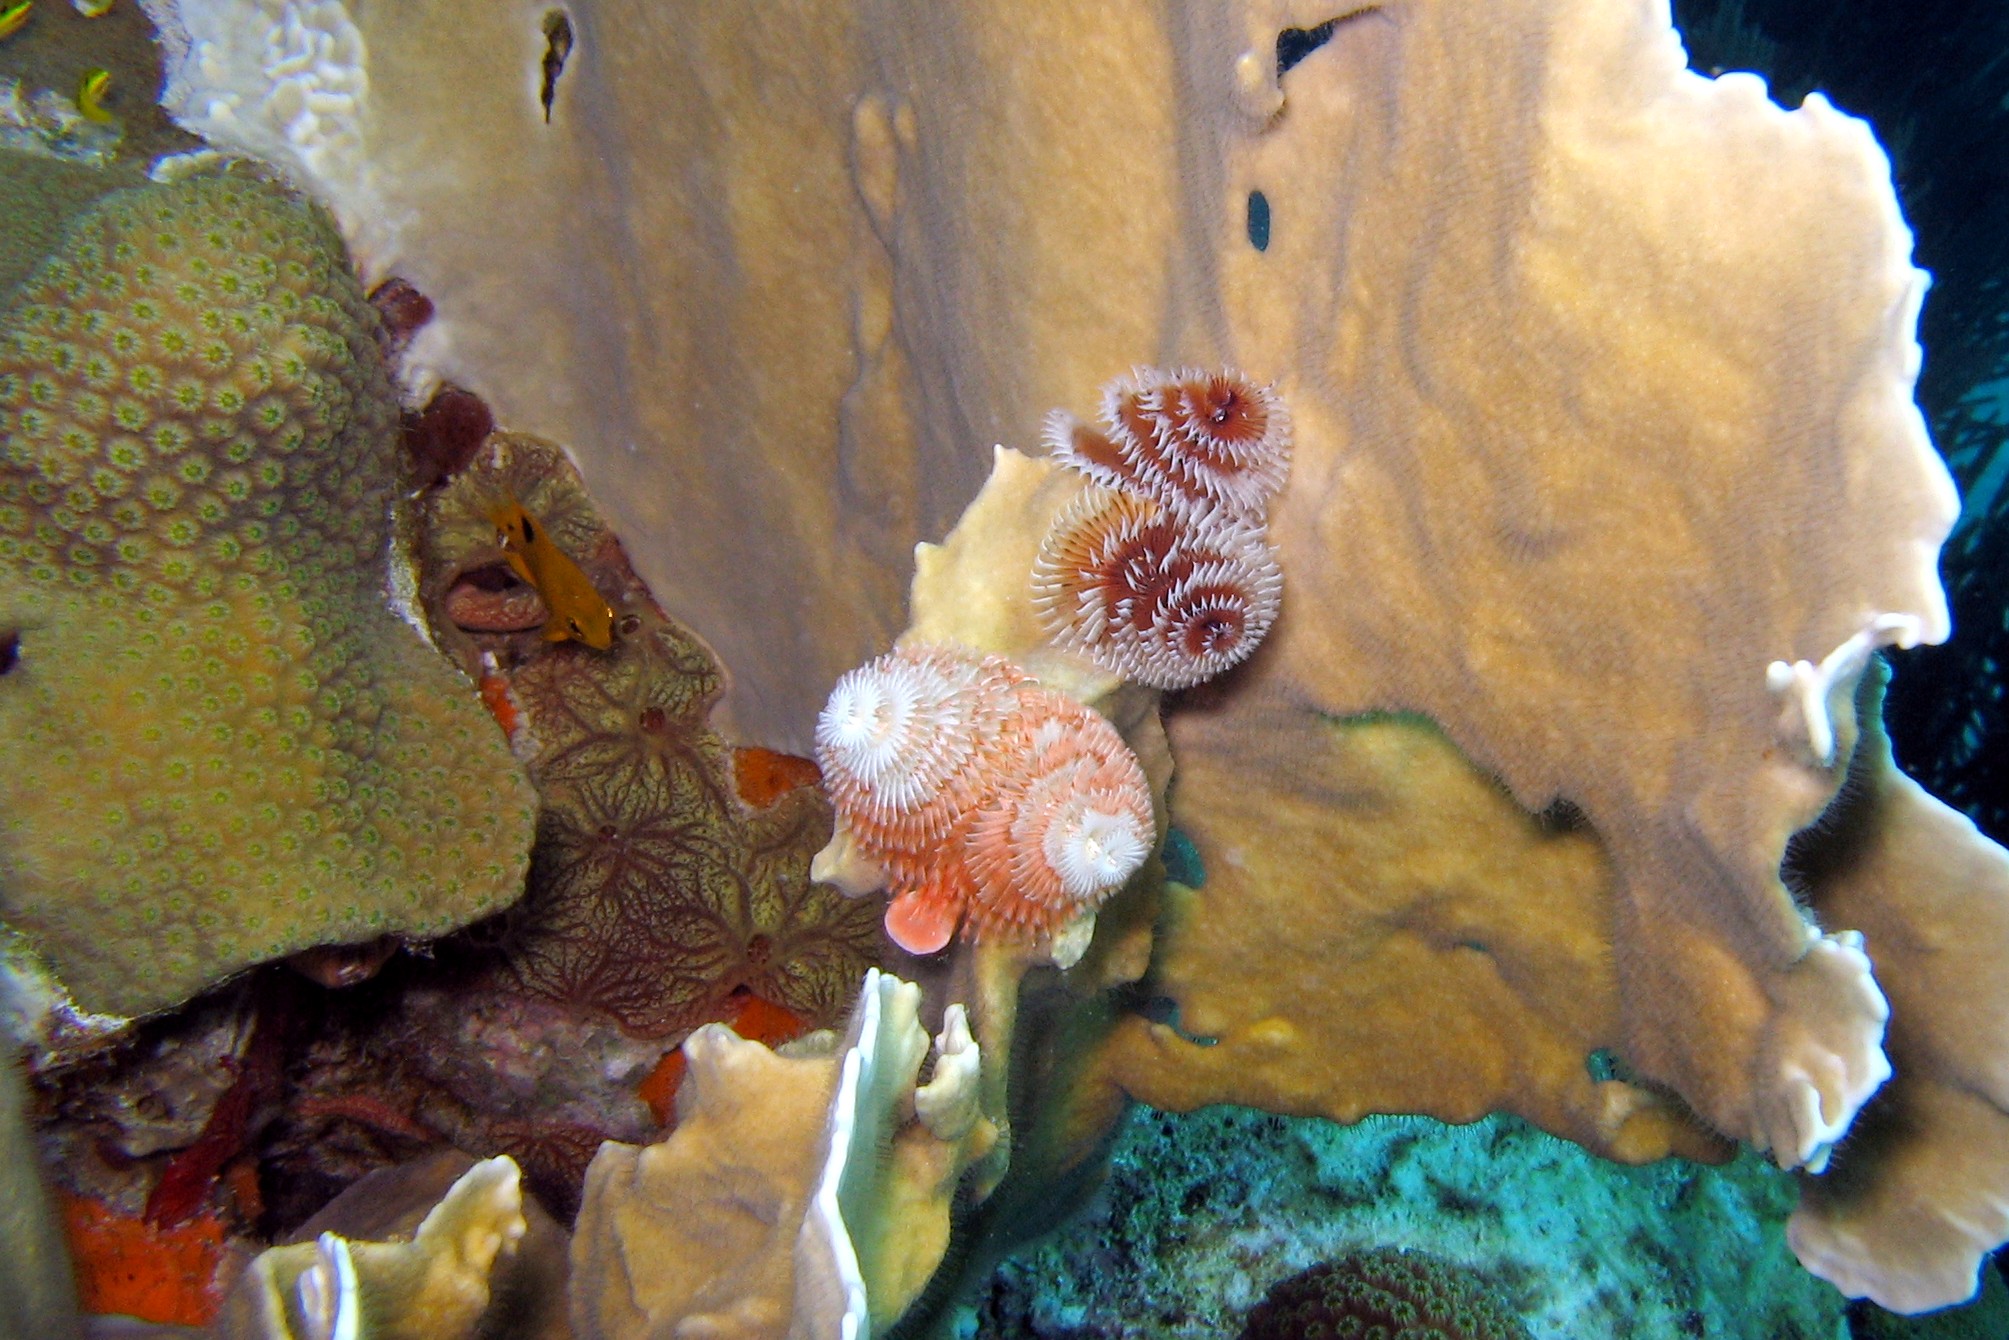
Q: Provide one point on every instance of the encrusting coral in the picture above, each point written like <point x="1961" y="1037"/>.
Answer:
<point x="655" y="892"/>
<point x="222" y="744"/>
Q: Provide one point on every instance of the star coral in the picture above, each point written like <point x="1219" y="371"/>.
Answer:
<point x="1382" y="1293"/>
<point x="221" y="744"/>
<point x="655" y="893"/>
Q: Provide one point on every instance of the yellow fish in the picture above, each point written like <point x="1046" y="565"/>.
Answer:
<point x="13" y="17"/>
<point x="577" y="609"/>
<point x="91" y="95"/>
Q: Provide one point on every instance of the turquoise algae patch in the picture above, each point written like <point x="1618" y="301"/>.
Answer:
<point x="1203" y="1212"/>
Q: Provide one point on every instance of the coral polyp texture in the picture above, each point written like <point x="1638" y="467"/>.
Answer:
<point x="1163" y="575"/>
<point x="1382" y="1293"/>
<point x="988" y="801"/>
<point x="221" y="744"/>
<point x="655" y="892"/>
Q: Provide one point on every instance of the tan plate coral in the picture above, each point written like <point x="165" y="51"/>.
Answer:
<point x="434" y="1281"/>
<point x="800" y="1194"/>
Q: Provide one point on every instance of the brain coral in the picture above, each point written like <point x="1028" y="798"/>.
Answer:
<point x="1384" y="1293"/>
<point x="220" y="743"/>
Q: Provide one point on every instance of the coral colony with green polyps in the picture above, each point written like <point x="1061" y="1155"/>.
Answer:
<point x="1179" y="668"/>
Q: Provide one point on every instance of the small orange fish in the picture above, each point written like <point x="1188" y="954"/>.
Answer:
<point x="577" y="609"/>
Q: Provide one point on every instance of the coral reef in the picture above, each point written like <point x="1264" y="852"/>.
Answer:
<point x="1577" y="543"/>
<point x="223" y="744"/>
<point x="486" y="1044"/>
<point x="655" y="893"/>
<point x="1606" y="464"/>
<point x="1378" y="1292"/>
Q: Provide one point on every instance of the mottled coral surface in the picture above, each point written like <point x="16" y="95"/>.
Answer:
<point x="220" y="744"/>
<point x="657" y="896"/>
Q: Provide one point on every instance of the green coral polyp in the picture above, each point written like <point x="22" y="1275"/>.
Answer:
<point x="157" y="831"/>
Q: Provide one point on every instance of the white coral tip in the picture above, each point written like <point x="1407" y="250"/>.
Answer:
<point x="327" y="1292"/>
<point x="948" y="1103"/>
<point x="1805" y="720"/>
